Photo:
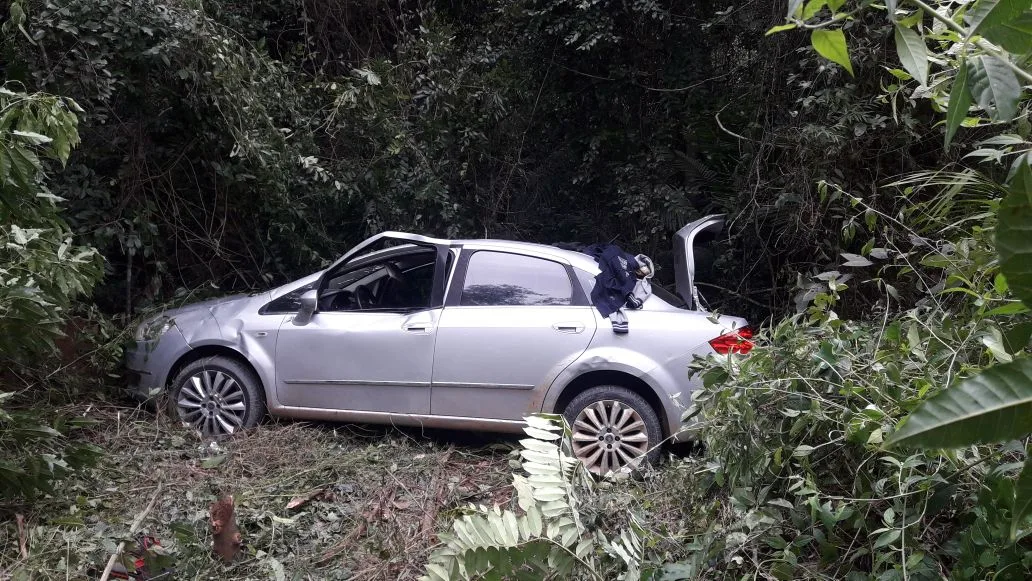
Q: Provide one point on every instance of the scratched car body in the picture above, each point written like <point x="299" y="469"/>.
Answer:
<point x="468" y="334"/>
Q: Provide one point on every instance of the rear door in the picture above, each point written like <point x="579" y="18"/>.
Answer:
<point x="511" y="321"/>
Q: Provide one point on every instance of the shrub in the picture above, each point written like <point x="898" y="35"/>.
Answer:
<point x="41" y="272"/>
<point x="795" y="430"/>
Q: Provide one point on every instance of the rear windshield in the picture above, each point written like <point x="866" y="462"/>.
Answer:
<point x="668" y="296"/>
<point x="587" y="281"/>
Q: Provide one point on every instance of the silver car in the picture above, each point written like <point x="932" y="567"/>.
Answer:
<point x="469" y="334"/>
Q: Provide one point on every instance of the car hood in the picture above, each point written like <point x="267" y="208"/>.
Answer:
<point x="213" y="305"/>
<point x="686" y="241"/>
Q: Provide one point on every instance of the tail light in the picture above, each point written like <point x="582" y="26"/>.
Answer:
<point x="733" y="342"/>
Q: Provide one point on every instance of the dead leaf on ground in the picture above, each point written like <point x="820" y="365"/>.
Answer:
<point x="302" y="499"/>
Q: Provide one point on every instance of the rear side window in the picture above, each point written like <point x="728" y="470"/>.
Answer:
<point x="502" y="279"/>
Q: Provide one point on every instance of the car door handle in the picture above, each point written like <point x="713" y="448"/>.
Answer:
<point x="568" y="327"/>
<point x="417" y="327"/>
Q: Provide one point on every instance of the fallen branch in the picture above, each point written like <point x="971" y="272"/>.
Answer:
<point x="132" y="531"/>
<point x="23" y="545"/>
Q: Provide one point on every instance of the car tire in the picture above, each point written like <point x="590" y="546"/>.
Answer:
<point x="614" y="429"/>
<point x="217" y="396"/>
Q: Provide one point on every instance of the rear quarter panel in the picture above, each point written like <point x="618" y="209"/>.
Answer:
<point x="661" y="343"/>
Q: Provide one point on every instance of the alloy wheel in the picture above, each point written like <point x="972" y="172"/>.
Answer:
<point x="609" y="435"/>
<point x="212" y="402"/>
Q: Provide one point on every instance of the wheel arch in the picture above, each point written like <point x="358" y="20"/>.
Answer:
<point x="202" y="351"/>
<point x="590" y="379"/>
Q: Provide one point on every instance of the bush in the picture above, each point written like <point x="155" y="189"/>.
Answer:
<point x="795" y="430"/>
<point x="41" y="272"/>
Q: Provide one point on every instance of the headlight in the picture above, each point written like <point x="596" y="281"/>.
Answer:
<point x="153" y="329"/>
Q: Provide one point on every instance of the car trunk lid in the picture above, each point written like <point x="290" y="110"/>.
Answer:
<point x="687" y="241"/>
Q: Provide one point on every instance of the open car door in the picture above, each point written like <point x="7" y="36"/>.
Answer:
<point x="688" y="241"/>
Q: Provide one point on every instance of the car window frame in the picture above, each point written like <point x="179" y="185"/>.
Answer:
<point x="458" y="282"/>
<point x="376" y="256"/>
<point x="266" y="308"/>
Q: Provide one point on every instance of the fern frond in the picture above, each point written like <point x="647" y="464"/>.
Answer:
<point x="549" y="538"/>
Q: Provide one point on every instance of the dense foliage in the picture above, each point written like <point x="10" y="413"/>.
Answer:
<point x="796" y="430"/>
<point x="874" y="160"/>
<point x="237" y="145"/>
<point x="813" y="434"/>
<point x="42" y="271"/>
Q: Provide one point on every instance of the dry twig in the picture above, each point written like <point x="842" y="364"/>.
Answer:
<point x="132" y="531"/>
<point x="23" y="545"/>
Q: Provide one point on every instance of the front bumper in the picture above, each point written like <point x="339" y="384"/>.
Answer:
<point x="148" y="364"/>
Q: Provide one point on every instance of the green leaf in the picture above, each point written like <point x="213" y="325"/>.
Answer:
<point x="994" y="87"/>
<point x="831" y="44"/>
<point x="991" y="13"/>
<point x="1022" y="495"/>
<point x="993" y="406"/>
<point x="1010" y="309"/>
<point x="5" y="165"/>
<point x="960" y="102"/>
<point x="887" y="538"/>
<point x="793" y="7"/>
<point x="812" y="8"/>
<point x="369" y="76"/>
<point x="834" y="5"/>
<point x="1015" y="35"/>
<point x="913" y="53"/>
<point x="855" y="260"/>
<point x="900" y="74"/>
<point x="213" y="461"/>
<point x="780" y="28"/>
<point x="32" y="137"/>
<point x="1014" y="233"/>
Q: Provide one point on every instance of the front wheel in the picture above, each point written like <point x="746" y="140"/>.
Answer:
<point x="217" y="396"/>
<point x="614" y="429"/>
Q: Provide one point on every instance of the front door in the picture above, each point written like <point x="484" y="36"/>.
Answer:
<point x="370" y="346"/>
<point x="514" y="325"/>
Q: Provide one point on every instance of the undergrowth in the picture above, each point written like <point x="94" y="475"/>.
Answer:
<point x="372" y="501"/>
<point x="795" y="431"/>
<point x="369" y="499"/>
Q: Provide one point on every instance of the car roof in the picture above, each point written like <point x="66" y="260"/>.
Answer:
<point x="577" y="259"/>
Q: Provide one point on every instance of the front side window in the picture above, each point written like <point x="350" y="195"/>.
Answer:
<point x="402" y="283"/>
<point x="502" y="279"/>
<point x="288" y="303"/>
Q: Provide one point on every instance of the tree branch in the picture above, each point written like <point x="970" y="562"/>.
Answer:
<point x="981" y="43"/>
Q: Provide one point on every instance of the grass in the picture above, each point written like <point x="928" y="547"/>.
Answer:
<point x="366" y="502"/>
<point x="371" y="499"/>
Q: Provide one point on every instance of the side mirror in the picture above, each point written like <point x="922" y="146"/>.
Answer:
<point x="309" y="302"/>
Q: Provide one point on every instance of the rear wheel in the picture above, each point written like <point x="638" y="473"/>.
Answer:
<point x="614" y="429"/>
<point x="217" y="396"/>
